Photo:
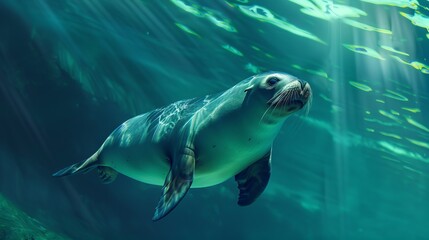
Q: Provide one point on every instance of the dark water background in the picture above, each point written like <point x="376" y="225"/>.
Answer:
<point x="355" y="167"/>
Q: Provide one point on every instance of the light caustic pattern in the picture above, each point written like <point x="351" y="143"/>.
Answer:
<point x="388" y="48"/>
<point x="213" y="16"/>
<point x="328" y="10"/>
<point x="361" y="86"/>
<point x="417" y="65"/>
<point x="321" y="9"/>
<point x="413" y="4"/>
<point x="417" y="19"/>
<point x="364" y="50"/>
<point x="265" y="15"/>
<point x="232" y="49"/>
<point x="187" y="29"/>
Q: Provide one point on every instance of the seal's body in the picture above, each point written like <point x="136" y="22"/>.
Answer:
<point x="204" y="141"/>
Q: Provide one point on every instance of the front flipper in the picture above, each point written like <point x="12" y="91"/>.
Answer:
<point x="177" y="183"/>
<point x="253" y="180"/>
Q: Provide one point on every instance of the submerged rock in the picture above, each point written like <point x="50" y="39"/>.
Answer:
<point x="16" y="224"/>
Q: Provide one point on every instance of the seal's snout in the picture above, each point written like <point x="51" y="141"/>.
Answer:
<point x="301" y="90"/>
<point x="305" y="90"/>
<point x="302" y="83"/>
<point x="301" y="93"/>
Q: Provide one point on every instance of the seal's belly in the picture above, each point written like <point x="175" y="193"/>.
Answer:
<point x="215" y="164"/>
<point x="217" y="161"/>
<point x="145" y="163"/>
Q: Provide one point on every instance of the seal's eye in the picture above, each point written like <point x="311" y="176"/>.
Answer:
<point x="273" y="80"/>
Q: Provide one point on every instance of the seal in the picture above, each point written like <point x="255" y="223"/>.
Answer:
<point x="203" y="141"/>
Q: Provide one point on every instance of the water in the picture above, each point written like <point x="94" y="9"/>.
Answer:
<point x="355" y="167"/>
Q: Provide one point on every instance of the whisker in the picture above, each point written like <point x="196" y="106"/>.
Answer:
<point x="263" y="115"/>
<point x="286" y="99"/>
<point x="283" y="99"/>
<point x="309" y="104"/>
<point x="277" y="102"/>
<point x="275" y="96"/>
<point x="280" y="99"/>
<point x="292" y="95"/>
<point x="266" y="111"/>
<point x="280" y="102"/>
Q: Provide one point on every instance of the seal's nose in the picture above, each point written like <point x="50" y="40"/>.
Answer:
<point x="303" y="83"/>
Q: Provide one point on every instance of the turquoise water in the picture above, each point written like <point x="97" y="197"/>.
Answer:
<point x="355" y="167"/>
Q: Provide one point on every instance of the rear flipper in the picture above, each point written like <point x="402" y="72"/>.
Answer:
<point x="107" y="174"/>
<point x="80" y="167"/>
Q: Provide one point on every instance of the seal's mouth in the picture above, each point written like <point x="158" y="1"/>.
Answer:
<point x="294" y="105"/>
<point x="291" y="99"/>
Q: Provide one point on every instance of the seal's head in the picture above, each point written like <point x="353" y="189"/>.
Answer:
<point x="280" y="94"/>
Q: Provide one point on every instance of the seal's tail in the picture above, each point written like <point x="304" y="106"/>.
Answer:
<point x="80" y="167"/>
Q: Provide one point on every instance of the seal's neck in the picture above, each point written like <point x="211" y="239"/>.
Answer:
<point x="248" y="113"/>
<point x="257" y="121"/>
<point x="254" y="110"/>
<point x="262" y="119"/>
